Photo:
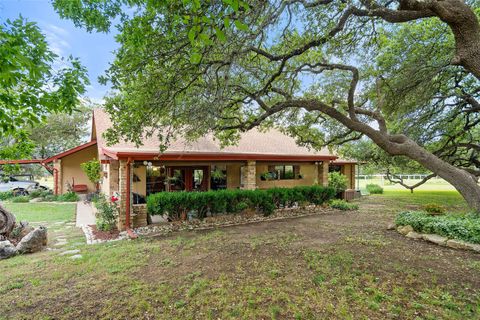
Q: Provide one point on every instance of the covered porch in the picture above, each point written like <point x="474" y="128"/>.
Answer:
<point x="133" y="177"/>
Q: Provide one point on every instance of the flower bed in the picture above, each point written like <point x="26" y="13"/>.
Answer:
<point x="231" y="220"/>
<point x="460" y="227"/>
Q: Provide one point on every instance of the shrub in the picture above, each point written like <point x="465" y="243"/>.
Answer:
<point x="106" y="214"/>
<point x="337" y="181"/>
<point x="374" y="188"/>
<point x="342" y="205"/>
<point x="461" y="227"/>
<point x="434" y="208"/>
<point x="93" y="170"/>
<point x="21" y="199"/>
<point x="50" y="198"/>
<point x="6" y="195"/>
<point x="39" y="193"/>
<point x="68" y="197"/>
<point x="175" y="204"/>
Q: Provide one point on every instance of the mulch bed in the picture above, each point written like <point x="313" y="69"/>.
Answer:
<point x="230" y="220"/>
<point x="104" y="235"/>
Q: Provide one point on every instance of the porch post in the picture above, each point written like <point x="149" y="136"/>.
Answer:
<point x="249" y="176"/>
<point x="57" y="176"/>
<point x="122" y="182"/>
<point x="324" y="173"/>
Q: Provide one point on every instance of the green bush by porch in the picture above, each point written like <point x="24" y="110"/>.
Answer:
<point x="234" y="201"/>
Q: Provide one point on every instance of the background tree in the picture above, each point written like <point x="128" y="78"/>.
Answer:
<point x="60" y="132"/>
<point x="30" y="86"/>
<point x="403" y="73"/>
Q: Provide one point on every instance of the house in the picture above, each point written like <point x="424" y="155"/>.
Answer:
<point x="259" y="160"/>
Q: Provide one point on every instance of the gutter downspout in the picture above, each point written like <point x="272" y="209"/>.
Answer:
<point x="130" y="232"/>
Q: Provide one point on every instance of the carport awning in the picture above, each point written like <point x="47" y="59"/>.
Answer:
<point x="2" y="162"/>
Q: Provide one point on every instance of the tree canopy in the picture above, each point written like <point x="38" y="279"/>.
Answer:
<point x="403" y="73"/>
<point x="33" y="81"/>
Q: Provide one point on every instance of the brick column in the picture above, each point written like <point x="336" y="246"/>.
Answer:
<point x="113" y="175"/>
<point x="122" y="186"/>
<point x="249" y="176"/>
<point x="324" y="173"/>
<point x="57" y="174"/>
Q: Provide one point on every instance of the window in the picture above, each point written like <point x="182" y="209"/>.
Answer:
<point x="285" y="172"/>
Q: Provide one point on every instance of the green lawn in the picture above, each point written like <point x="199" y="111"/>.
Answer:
<point x="42" y="212"/>
<point x="331" y="266"/>
<point x="449" y="199"/>
<point x="431" y="185"/>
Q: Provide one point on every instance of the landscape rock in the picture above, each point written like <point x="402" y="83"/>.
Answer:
<point x="75" y="257"/>
<point x="458" y="244"/>
<point x="69" y="252"/>
<point x="7" y="249"/>
<point x="7" y="223"/>
<point x="404" y="229"/>
<point x="414" y="235"/>
<point x="391" y="226"/>
<point x="435" y="238"/>
<point x="473" y="247"/>
<point x="35" y="241"/>
<point x="21" y="230"/>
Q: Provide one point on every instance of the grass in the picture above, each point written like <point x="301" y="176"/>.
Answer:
<point x="332" y="266"/>
<point x="42" y="212"/>
<point x="434" y="185"/>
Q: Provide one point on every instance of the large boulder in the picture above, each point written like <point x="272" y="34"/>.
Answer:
<point x="7" y="249"/>
<point x="34" y="241"/>
<point x="7" y="222"/>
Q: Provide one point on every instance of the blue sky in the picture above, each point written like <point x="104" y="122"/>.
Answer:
<point x="93" y="49"/>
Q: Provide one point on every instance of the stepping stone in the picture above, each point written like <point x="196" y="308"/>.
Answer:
<point x="69" y="252"/>
<point x="59" y="244"/>
<point x="76" y="257"/>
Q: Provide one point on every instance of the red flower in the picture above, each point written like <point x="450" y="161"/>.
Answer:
<point x="114" y="199"/>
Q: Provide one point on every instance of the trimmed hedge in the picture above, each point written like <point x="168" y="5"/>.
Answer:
<point x="234" y="201"/>
<point x="461" y="227"/>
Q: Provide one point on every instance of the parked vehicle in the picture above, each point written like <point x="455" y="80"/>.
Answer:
<point x="20" y="185"/>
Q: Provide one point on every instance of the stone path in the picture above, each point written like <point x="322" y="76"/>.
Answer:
<point x="85" y="214"/>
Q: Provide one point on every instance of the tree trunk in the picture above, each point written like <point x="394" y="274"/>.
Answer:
<point x="466" y="29"/>
<point x="7" y="223"/>
<point x="401" y="145"/>
<point x="465" y="183"/>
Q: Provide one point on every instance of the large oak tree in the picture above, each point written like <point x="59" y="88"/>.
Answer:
<point x="403" y="73"/>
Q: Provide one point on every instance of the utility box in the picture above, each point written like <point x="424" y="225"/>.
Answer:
<point x="349" y="194"/>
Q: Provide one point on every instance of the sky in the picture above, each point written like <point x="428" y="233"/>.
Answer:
<point x="95" y="50"/>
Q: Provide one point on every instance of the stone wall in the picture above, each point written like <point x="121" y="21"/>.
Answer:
<point x="323" y="173"/>
<point x="249" y="176"/>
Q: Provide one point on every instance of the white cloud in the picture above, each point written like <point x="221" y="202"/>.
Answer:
<point x="57" y="39"/>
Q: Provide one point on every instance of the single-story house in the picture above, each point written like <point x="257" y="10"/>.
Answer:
<point x="259" y="160"/>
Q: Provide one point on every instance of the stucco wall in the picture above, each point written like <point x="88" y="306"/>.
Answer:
<point x="71" y="168"/>
<point x="140" y="187"/>
<point x="309" y="172"/>
<point x="233" y="176"/>
<point x="105" y="184"/>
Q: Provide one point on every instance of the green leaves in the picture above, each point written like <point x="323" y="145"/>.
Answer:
<point x="29" y="88"/>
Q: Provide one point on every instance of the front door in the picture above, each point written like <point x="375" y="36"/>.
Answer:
<point x="188" y="178"/>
